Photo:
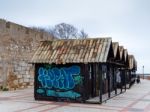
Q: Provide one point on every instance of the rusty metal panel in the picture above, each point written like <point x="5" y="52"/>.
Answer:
<point x="81" y="51"/>
<point x="99" y="50"/>
<point x="115" y="47"/>
<point x="44" y="52"/>
<point x="135" y="64"/>
<point x="40" y="53"/>
<point x="107" y="49"/>
<point x="67" y="56"/>
<point x="131" y="62"/>
<point x="125" y="54"/>
<point x="76" y="51"/>
<point x="121" y="49"/>
<point x="92" y="57"/>
<point x="102" y="52"/>
<point x="35" y="56"/>
<point x="73" y="51"/>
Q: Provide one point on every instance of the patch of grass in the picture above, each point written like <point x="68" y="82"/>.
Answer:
<point x="1" y="87"/>
<point x="5" y="89"/>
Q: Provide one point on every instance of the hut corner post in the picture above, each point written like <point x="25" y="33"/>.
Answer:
<point x="115" y="83"/>
<point x="125" y="79"/>
<point x="100" y="89"/>
<point x="108" y="75"/>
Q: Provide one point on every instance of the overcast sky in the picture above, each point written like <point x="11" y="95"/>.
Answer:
<point x="126" y="21"/>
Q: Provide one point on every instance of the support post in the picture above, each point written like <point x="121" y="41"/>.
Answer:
<point x="143" y="71"/>
<point x="108" y="76"/>
<point x="121" y="80"/>
<point x="125" y="80"/>
<point x="115" y="83"/>
<point x="100" y="89"/>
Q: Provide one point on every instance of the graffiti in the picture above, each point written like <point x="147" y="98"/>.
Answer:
<point x="70" y="94"/>
<point x="47" y="66"/>
<point x="40" y="91"/>
<point x="59" y="82"/>
<point x="62" y="78"/>
<point x="78" y="79"/>
<point x="55" y="80"/>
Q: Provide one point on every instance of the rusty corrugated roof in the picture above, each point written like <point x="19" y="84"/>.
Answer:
<point x="121" y="49"/>
<point x="125" y="54"/>
<point x="73" y="51"/>
<point x="115" y="48"/>
<point x="135" y="65"/>
<point x="132" y="62"/>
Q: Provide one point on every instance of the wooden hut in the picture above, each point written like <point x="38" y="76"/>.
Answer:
<point x="74" y="70"/>
<point x="116" y="65"/>
<point x="116" y="51"/>
<point x="126" y="70"/>
<point x="132" y="69"/>
<point x="121" y="69"/>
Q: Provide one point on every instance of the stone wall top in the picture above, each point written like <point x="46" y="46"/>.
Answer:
<point x="16" y="31"/>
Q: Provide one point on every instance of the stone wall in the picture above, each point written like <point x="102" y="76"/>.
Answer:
<point x="17" y="46"/>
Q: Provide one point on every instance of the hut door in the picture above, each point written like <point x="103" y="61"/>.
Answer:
<point x="97" y="79"/>
<point x="92" y="83"/>
<point x="104" y="79"/>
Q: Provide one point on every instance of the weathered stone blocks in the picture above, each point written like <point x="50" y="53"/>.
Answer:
<point x="17" y="45"/>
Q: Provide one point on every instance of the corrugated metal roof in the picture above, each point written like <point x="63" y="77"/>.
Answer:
<point x="115" y="48"/>
<point x="73" y="51"/>
<point x="132" y="62"/>
<point x="121" y="49"/>
<point x="135" y="64"/>
<point x="125" y="55"/>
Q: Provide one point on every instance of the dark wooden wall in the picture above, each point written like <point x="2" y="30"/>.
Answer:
<point x="87" y="82"/>
<point x="60" y="82"/>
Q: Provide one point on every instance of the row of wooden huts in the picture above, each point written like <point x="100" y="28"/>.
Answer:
<point x="82" y="70"/>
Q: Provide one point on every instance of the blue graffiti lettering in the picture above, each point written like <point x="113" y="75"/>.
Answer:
<point x="62" y="78"/>
<point x="44" y="78"/>
<point x="70" y="94"/>
<point x="40" y="91"/>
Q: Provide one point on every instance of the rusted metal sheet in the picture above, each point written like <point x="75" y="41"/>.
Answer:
<point x="115" y="48"/>
<point x="102" y="54"/>
<point x="125" y="54"/>
<point x="132" y="62"/>
<point x="107" y="49"/>
<point x="135" y="64"/>
<point x="121" y="49"/>
<point x="99" y="50"/>
<point x="73" y="51"/>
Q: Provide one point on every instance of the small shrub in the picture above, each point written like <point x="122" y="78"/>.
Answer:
<point x="5" y="89"/>
<point x="1" y="87"/>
